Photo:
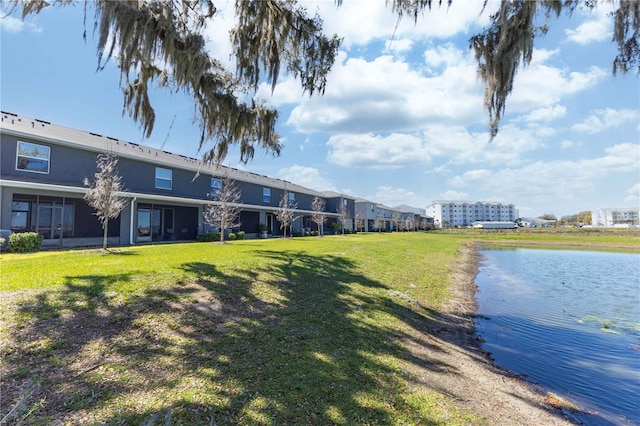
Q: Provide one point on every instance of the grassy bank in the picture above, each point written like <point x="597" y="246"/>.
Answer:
<point x="297" y="331"/>
<point x="627" y="239"/>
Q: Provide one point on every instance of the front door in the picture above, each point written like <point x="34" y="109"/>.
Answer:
<point x="167" y="224"/>
<point x="269" y="223"/>
<point x="143" y="232"/>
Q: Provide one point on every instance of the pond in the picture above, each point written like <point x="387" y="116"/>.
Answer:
<point x="568" y="321"/>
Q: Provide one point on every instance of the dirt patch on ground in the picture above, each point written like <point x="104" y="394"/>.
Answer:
<point x="494" y="394"/>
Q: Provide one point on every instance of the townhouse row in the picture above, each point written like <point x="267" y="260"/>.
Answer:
<point x="375" y="217"/>
<point x="43" y="167"/>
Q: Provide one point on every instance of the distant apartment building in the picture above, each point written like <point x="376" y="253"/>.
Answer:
<point x="447" y="213"/>
<point x="616" y="216"/>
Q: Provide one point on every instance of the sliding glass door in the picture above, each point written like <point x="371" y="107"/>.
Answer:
<point x="55" y="220"/>
<point x="154" y="224"/>
<point x="143" y="232"/>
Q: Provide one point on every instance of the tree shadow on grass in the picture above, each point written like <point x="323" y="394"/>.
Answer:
<point x="293" y="339"/>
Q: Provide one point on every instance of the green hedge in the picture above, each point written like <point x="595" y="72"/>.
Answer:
<point x="209" y="237"/>
<point x="23" y="242"/>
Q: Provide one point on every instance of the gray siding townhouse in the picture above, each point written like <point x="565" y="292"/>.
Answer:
<point x="43" y="166"/>
<point x="371" y="216"/>
<point x="343" y="206"/>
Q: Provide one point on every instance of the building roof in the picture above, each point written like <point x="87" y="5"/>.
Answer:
<point x="45" y="131"/>
<point x="409" y="209"/>
<point x="495" y="203"/>
<point x="334" y="194"/>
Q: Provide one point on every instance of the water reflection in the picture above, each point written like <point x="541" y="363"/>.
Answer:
<point x="567" y="321"/>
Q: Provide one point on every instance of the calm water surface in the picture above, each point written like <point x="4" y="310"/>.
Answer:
<point x="569" y="321"/>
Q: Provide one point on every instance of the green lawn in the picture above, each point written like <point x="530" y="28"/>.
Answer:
<point x="296" y="331"/>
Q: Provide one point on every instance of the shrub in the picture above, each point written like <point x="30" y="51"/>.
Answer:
<point x="23" y="242"/>
<point x="231" y="236"/>
<point x="208" y="237"/>
<point x="240" y="235"/>
<point x="314" y="233"/>
<point x="2" y="241"/>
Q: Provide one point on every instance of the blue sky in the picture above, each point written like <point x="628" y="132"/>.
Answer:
<point x="401" y="121"/>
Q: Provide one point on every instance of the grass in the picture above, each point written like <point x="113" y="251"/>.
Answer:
<point x="627" y="239"/>
<point x="297" y="331"/>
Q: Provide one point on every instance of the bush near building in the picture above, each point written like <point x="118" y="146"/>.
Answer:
<point x="23" y="242"/>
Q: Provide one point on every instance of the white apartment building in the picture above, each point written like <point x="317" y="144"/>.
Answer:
<point x="612" y="217"/>
<point x="463" y="213"/>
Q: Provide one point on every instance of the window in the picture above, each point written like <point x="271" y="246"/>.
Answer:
<point x="164" y="178"/>
<point x="52" y="218"/>
<point x="266" y="195"/>
<point x="216" y="186"/>
<point x="32" y="157"/>
<point x="292" y="199"/>
<point x="345" y="202"/>
<point x="20" y="216"/>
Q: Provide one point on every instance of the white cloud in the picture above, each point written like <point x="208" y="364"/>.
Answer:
<point x="456" y="144"/>
<point x="565" y="144"/>
<point x="361" y="22"/>
<point x="392" y="197"/>
<point x="602" y="119"/>
<point x="540" y="85"/>
<point x="597" y="28"/>
<point x="306" y="176"/>
<point x="464" y="147"/>
<point x="634" y="194"/>
<point x="12" y="24"/>
<point x="445" y="55"/>
<point x="552" y="183"/>
<point x="549" y="113"/>
<point x="368" y="150"/>
<point x="398" y="46"/>
<point x="387" y="95"/>
<point x="217" y="33"/>
<point x="454" y="195"/>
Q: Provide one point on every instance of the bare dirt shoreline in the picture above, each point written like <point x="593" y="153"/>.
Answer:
<point x="496" y="395"/>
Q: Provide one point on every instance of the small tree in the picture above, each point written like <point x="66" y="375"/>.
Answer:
<point x="360" y="220"/>
<point x="226" y="210"/>
<point x="549" y="218"/>
<point x="102" y="194"/>
<point x="380" y="222"/>
<point x="286" y="212"/>
<point x="318" y="216"/>
<point x="395" y="220"/>
<point x="343" y="215"/>
<point x="337" y="226"/>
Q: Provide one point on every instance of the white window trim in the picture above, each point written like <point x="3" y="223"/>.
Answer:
<point x="48" y="148"/>
<point x="164" y="179"/>
<point x="215" y="190"/>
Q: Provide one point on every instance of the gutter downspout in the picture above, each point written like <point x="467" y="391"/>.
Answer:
<point x="133" y="208"/>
